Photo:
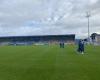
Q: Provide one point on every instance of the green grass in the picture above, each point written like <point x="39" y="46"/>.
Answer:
<point x="49" y="63"/>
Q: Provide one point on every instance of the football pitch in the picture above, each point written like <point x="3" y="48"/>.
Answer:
<point x="49" y="63"/>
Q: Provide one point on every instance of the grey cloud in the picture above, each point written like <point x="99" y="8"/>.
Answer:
<point x="48" y="17"/>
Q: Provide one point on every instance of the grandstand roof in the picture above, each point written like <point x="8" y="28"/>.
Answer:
<point x="38" y="36"/>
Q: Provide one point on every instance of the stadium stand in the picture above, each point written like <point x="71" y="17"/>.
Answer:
<point x="28" y="40"/>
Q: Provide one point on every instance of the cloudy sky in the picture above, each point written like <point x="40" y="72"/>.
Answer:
<point x="42" y="17"/>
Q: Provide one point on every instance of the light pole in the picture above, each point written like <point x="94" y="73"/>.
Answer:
<point x="88" y="17"/>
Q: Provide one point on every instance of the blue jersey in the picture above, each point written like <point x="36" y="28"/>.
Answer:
<point x="81" y="46"/>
